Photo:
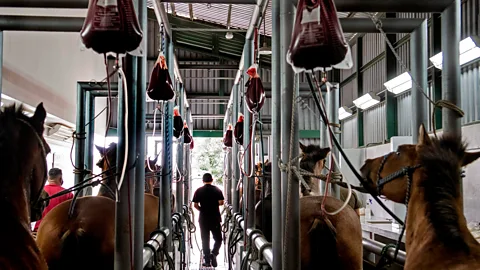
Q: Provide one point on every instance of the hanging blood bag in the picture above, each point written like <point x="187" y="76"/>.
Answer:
<point x="255" y="95"/>
<point x="227" y="138"/>
<point x="187" y="138"/>
<point x="177" y="123"/>
<point x="317" y="41"/>
<point x="160" y="87"/>
<point x="111" y="26"/>
<point x="238" y="131"/>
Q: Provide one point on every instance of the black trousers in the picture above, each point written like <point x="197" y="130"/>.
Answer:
<point x="208" y="225"/>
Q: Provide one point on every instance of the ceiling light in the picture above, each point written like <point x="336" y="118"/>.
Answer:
<point x="468" y="51"/>
<point x="366" y="101"/>
<point x="265" y="50"/>
<point x="344" y="112"/>
<point x="229" y="35"/>
<point x="399" y="84"/>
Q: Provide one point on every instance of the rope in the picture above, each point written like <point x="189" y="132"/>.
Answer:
<point x="440" y="103"/>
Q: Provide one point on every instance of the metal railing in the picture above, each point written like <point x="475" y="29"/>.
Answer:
<point x="153" y="245"/>
<point x="377" y="248"/>
<point x="258" y="240"/>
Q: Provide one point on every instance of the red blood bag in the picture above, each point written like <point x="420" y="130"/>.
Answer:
<point x="177" y="123"/>
<point x="238" y="132"/>
<point x="187" y="138"/>
<point x="255" y="95"/>
<point x="160" y="86"/>
<point x="111" y="26"/>
<point x="317" y="40"/>
<point x="227" y="138"/>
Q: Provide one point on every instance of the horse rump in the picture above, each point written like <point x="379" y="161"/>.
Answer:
<point x="323" y="245"/>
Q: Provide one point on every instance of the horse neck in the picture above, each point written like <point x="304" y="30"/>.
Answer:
<point x="314" y="183"/>
<point x="422" y="238"/>
<point x="109" y="182"/>
<point x="14" y="206"/>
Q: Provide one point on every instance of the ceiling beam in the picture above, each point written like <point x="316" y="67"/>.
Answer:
<point x="222" y="67"/>
<point x="341" y="5"/>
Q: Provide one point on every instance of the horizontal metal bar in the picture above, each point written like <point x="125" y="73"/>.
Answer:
<point x="233" y="2"/>
<point x="156" y="240"/>
<point x="90" y="86"/>
<point x="377" y="247"/>
<point x="389" y="25"/>
<point x="41" y="23"/>
<point x="193" y="97"/>
<point x="194" y="66"/>
<point x="193" y="29"/>
<point x="211" y="78"/>
<point x="44" y="3"/>
<point x="391" y="5"/>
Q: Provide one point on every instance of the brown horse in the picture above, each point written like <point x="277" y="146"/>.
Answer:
<point x="329" y="242"/>
<point x="23" y="152"/>
<point x="152" y="172"/>
<point x="428" y="178"/>
<point x="258" y="186"/>
<point x="86" y="239"/>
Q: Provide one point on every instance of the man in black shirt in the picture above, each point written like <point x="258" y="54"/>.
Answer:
<point x="210" y="198"/>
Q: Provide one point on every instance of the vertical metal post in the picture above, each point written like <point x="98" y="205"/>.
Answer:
<point x="419" y="60"/>
<point x="249" y="182"/>
<point x="451" y="121"/>
<point x="228" y="186"/>
<point x="451" y="67"/>
<point x="165" y="215"/>
<point x="323" y="142"/>
<point x="236" y="169"/>
<point x="186" y="157"/>
<point x="181" y="171"/>
<point x="124" y="225"/>
<point x="139" y="198"/>
<point x="333" y="101"/>
<point x="277" y="235"/>
<point x="289" y="91"/>
<point x="80" y="136"/>
<point x="90" y="98"/>
<point x="1" y="64"/>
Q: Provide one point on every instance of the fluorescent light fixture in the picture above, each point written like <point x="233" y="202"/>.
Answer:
<point x="366" y="101"/>
<point x="468" y="51"/>
<point x="399" y="84"/>
<point x="344" y="112"/>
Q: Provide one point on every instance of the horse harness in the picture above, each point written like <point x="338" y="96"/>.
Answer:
<point x="34" y="203"/>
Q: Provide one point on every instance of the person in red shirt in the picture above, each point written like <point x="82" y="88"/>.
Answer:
<point x="54" y="186"/>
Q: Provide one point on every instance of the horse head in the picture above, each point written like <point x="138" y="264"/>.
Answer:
<point x="17" y="129"/>
<point x="108" y="163"/>
<point x="313" y="160"/>
<point x="389" y="175"/>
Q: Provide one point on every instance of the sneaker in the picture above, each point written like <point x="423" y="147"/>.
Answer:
<point x="213" y="259"/>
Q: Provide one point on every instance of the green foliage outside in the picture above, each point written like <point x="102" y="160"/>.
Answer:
<point x="209" y="156"/>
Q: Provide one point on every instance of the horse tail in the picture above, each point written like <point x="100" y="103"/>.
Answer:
<point x="71" y="246"/>
<point x="323" y="244"/>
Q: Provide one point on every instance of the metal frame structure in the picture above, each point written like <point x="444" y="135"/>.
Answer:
<point x="282" y="22"/>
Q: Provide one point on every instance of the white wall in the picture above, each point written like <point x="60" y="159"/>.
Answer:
<point x="471" y="183"/>
<point x="45" y="66"/>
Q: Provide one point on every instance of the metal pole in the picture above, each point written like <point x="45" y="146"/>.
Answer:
<point x="323" y="143"/>
<point x="419" y="72"/>
<point x="186" y="157"/>
<point x="236" y="169"/>
<point x="80" y="137"/>
<point x="165" y="218"/>
<point x="332" y="112"/>
<point x="451" y="67"/>
<point x="1" y="64"/>
<point x="249" y="182"/>
<point x="124" y="226"/>
<point x="276" y="141"/>
<point x="289" y="84"/>
<point x="139" y="217"/>
<point x="180" y="172"/>
<point x="451" y="121"/>
<point x="89" y="143"/>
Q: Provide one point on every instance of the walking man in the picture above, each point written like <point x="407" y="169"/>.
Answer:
<point x="54" y="186"/>
<point x="207" y="200"/>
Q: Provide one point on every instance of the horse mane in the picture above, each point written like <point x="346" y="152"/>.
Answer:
<point x="312" y="155"/>
<point x="440" y="160"/>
